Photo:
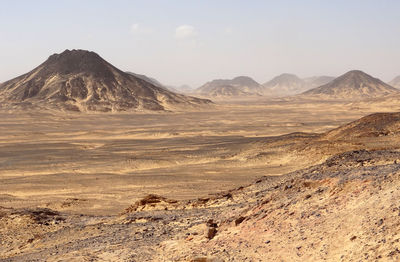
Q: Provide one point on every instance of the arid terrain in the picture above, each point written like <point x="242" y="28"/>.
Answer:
<point x="69" y="183"/>
<point x="110" y="160"/>
<point x="97" y="164"/>
<point x="199" y="131"/>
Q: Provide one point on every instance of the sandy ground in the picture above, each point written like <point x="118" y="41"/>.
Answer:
<point x="105" y="162"/>
<point x="245" y="181"/>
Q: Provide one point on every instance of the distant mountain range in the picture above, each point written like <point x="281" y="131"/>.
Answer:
<point x="80" y="80"/>
<point x="290" y="84"/>
<point x="353" y="85"/>
<point x="282" y="85"/>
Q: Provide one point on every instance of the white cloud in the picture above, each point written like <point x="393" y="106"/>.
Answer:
<point x="185" y="32"/>
<point x="134" y="27"/>
<point x="228" y="31"/>
<point x="138" y="29"/>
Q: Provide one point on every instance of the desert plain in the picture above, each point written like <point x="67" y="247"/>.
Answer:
<point x="73" y="186"/>
<point x="108" y="161"/>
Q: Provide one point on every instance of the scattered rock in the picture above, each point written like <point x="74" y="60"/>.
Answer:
<point x="211" y="230"/>
<point x="152" y="201"/>
<point x="239" y="220"/>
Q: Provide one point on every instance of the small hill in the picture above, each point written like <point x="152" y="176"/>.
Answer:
<point x="379" y="124"/>
<point x="353" y="85"/>
<point x="238" y="86"/>
<point x="395" y="82"/>
<point x="246" y="82"/>
<point x="285" y="84"/>
<point x="317" y="81"/>
<point x="81" y="80"/>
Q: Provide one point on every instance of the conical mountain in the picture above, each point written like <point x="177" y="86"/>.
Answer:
<point x="81" y="80"/>
<point x="395" y="82"/>
<point x="285" y="84"/>
<point x="353" y="85"/>
<point x="238" y="86"/>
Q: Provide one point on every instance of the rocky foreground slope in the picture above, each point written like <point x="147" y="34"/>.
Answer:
<point x="344" y="209"/>
<point x="80" y="80"/>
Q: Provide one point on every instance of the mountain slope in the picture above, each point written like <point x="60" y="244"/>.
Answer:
<point x="82" y="81"/>
<point x="151" y="80"/>
<point x="353" y="85"/>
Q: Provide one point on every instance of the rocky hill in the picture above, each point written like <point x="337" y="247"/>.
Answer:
<point x="80" y="80"/>
<point x="353" y="85"/>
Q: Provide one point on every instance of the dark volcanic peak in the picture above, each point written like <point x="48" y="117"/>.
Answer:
<point x="78" y="61"/>
<point x="81" y="80"/>
<point x="354" y="84"/>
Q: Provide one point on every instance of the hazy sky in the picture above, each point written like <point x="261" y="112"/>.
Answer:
<point x="191" y="42"/>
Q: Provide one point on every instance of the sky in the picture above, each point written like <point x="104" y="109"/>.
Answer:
<point x="191" y="42"/>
